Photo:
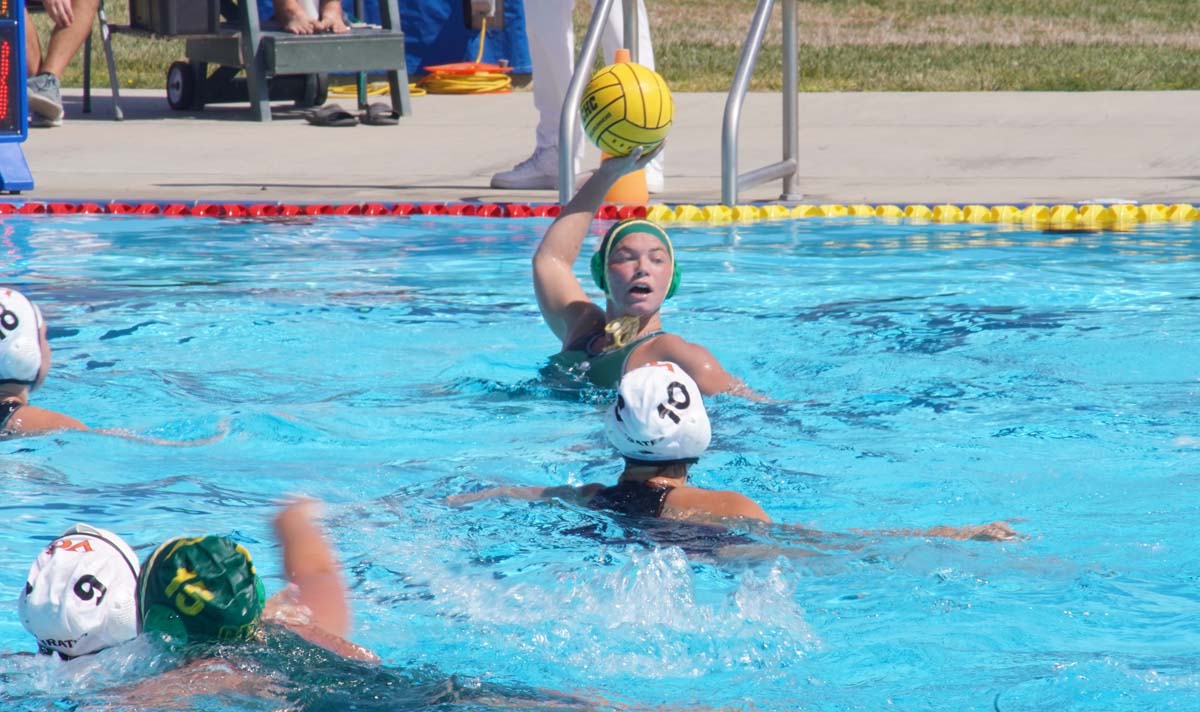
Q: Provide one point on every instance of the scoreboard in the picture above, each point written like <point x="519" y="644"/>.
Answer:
<point x="14" y="105"/>
<point x="13" y="118"/>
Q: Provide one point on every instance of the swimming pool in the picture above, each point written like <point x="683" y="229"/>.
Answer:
<point x="924" y="374"/>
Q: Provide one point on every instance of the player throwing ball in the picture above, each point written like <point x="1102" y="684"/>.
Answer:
<point x="635" y="267"/>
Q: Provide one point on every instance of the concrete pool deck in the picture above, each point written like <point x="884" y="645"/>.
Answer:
<point x="873" y="148"/>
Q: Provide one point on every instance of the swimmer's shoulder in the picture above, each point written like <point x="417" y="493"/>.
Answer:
<point x="29" y="419"/>
<point x="694" y="502"/>
<point x="673" y="347"/>
<point x="698" y="361"/>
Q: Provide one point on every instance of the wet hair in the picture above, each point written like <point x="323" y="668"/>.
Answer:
<point x="664" y="468"/>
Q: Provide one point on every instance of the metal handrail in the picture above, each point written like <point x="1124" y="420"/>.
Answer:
<point x="568" y="125"/>
<point x="787" y="169"/>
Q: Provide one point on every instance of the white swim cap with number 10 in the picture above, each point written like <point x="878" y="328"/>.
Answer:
<point x="659" y="415"/>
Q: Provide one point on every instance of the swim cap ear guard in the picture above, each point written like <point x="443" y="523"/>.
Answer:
<point x="620" y="231"/>
<point x="200" y="589"/>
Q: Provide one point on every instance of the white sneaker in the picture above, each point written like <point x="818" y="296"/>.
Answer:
<point x="538" y="172"/>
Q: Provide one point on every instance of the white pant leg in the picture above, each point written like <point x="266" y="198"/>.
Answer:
<point x="614" y="30"/>
<point x="552" y="53"/>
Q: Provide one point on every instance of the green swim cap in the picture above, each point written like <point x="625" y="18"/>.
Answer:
<point x="200" y="589"/>
<point x="620" y="231"/>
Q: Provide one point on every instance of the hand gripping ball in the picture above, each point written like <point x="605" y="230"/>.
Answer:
<point x="626" y="105"/>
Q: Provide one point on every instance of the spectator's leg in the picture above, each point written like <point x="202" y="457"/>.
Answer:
<point x="614" y="33"/>
<point x="298" y="17"/>
<point x="44" y="92"/>
<point x="612" y="39"/>
<point x="332" y="19"/>
<point x="33" y="49"/>
<point x="294" y="19"/>
<point x="552" y="54"/>
<point x="65" y="41"/>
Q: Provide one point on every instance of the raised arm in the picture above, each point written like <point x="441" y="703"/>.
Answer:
<point x="312" y="568"/>
<point x="560" y="295"/>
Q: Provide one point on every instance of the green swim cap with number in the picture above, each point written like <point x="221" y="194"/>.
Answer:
<point x="200" y="589"/>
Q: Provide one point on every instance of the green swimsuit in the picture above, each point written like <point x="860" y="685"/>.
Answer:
<point x="603" y="368"/>
<point x="309" y="677"/>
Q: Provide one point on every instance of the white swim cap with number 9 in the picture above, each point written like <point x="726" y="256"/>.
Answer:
<point x="659" y="415"/>
<point x="81" y="593"/>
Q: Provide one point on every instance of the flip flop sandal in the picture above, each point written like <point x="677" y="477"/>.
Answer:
<point x="330" y="115"/>
<point x="380" y="114"/>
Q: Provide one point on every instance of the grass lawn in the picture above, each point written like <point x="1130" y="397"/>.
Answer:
<point x="880" y="45"/>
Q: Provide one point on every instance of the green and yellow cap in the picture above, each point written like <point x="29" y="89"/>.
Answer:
<point x="200" y="589"/>
<point x="619" y="231"/>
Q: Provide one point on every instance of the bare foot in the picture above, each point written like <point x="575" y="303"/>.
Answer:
<point x="333" y="21"/>
<point x="298" y="23"/>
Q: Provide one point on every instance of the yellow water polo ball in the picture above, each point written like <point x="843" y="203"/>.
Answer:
<point x="626" y="105"/>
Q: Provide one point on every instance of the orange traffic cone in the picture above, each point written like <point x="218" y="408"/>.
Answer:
<point x="630" y="189"/>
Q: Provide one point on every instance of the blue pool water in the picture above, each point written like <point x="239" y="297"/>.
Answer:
<point x="921" y="375"/>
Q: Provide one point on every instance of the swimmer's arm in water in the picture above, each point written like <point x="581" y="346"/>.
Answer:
<point x="222" y="431"/>
<point x="31" y="420"/>
<point x="560" y="296"/>
<point x="565" y="493"/>
<point x="173" y="689"/>
<point x="738" y="388"/>
<point x="992" y="531"/>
